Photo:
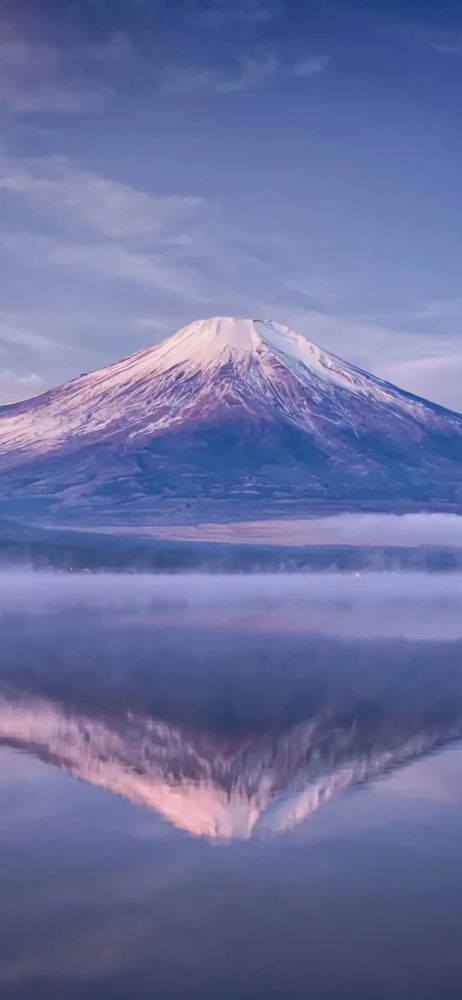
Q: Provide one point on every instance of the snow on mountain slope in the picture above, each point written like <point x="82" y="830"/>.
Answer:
<point x="132" y="389"/>
<point x="229" y="407"/>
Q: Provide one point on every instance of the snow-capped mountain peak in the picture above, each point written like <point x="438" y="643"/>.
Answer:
<point x="221" y="340"/>
<point x="212" y="343"/>
<point x="224" y="338"/>
<point x="207" y="341"/>
<point x="229" y="408"/>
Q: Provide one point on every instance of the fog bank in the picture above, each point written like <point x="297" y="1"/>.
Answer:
<point x="338" y="529"/>
<point x="396" y="604"/>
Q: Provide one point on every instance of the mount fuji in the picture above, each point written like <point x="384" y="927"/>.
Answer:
<point x="237" y="413"/>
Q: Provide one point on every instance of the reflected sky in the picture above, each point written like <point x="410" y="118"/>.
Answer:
<point x="259" y="812"/>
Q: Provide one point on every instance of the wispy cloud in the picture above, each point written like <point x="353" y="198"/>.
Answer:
<point x="314" y="286"/>
<point x="448" y="47"/>
<point x="20" y="336"/>
<point x="111" y="208"/>
<point x="153" y="272"/>
<point x="26" y="355"/>
<point x="428" y="34"/>
<point x="106" y="231"/>
<point x="34" y="78"/>
<point x="252" y="13"/>
<point x="439" y="40"/>
<point x="436" y="308"/>
<point x="310" y="65"/>
<point x="150" y="271"/>
<point x="15" y="386"/>
<point x="249" y="74"/>
<point x="425" y="374"/>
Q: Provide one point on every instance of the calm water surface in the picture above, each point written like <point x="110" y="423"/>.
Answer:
<point x="231" y="789"/>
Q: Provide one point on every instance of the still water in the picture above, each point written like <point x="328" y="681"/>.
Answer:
<point x="231" y="788"/>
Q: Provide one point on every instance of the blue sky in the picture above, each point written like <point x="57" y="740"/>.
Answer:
<point x="165" y="160"/>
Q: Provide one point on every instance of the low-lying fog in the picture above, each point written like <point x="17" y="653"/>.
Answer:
<point x="338" y="529"/>
<point x="388" y="604"/>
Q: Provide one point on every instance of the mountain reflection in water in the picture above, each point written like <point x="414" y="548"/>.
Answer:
<point x="226" y="734"/>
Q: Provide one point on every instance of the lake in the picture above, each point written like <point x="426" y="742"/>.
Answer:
<point x="231" y="788"/>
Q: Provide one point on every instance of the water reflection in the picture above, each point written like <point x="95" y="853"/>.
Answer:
<point x="226" y="734"/>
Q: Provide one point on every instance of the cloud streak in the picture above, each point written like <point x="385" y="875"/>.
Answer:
<point x="34" y="79"/>
<point x="149" y="271"/>
<point x="19" y="385"/>
<point x="109" y="207"/>
<point x="252" y="13"/>
<point x="249" y="74"/>
<point x="310" y="66"/>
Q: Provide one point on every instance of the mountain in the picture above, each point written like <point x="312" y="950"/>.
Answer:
<point x="233" y="413"/>
<point x="212" y="787"/>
